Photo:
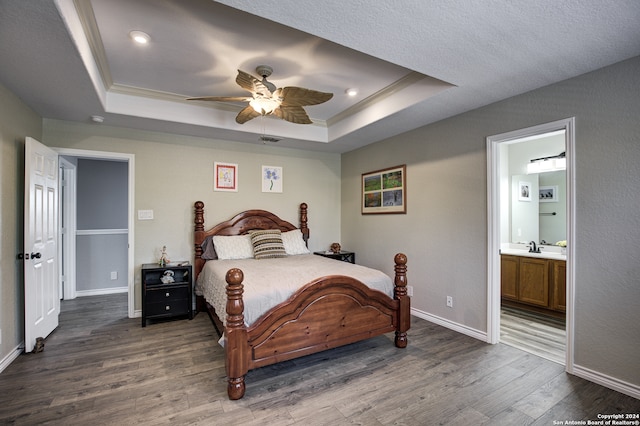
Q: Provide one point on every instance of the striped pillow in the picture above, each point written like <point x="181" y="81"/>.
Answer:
<point x="267" y="244"/>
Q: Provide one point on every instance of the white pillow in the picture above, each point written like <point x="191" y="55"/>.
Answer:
<point x="293" y="242"/>
<point x="233" y="246"/>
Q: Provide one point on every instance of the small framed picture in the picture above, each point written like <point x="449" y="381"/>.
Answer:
<point x="524" y="191"/>
<point x="225" y="177"/>
<point x="385" y="191"/>
<point x="548" y="194"/>
<point x="271" y="179"/>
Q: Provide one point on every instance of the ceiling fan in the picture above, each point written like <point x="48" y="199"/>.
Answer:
<point x="285" y="103"/>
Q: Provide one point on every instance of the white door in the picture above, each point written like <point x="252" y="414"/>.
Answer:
<point x="41" y="299"/>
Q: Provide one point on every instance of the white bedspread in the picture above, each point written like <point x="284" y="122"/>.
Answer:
<point x="268" y="282"/>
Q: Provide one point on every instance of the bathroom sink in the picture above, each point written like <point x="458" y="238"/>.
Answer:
<point x="546" y="252"/>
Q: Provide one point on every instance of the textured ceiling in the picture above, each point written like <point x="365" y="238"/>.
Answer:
<point x="414" y="63"/>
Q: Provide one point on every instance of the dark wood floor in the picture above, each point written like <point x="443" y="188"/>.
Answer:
<point x="100" y="367"/>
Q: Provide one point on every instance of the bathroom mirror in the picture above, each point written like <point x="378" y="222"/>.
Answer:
<point x="538" y="208"/>
<point x="537" y="202"/>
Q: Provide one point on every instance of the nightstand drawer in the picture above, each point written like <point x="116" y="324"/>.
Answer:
<point x="169" y="308"/>
<point x="161" y="295"/>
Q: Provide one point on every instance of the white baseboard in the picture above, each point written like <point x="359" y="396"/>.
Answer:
<point x="607" y="381"/>
<point x="582" y="372"/>
<point x="11" y="356"/>
<point x="476" y="334"/>
<point x="101" y="291"/>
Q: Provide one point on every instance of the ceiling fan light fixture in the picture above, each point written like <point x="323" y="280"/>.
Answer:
<point x="285" y="103"/>
<point x="140" y="37"/>
<point x="264" y="106"/>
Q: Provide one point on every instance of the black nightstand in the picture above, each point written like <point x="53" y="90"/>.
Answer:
<point x="166" y="300"/>
<point x="345" y="256"/>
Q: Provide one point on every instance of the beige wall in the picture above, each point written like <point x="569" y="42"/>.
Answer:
<point x="444" y="232"/>
<point x="172" y="172"/>
<point x="16" y="122"/>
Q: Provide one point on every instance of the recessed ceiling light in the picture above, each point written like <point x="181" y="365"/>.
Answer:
<point x="351" y="92"/>
<point x="140" y="37"/>
<point x="97" y="118"/>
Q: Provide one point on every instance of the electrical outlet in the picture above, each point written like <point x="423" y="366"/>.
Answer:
<point x="114" y="275"/>
<point x="410" y="290"/>
<point x="450" y="301"/>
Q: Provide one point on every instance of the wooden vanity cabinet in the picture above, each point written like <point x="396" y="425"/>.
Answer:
<point x="509" y="269"/>
<point x="532" y="281"/>
<point x="559" y="300"/>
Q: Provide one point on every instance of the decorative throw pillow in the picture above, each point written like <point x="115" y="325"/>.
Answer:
<point x="294" y="243"/>
<point x="233" y="247"/>
<point x="267" y="244"/>
<point x="208" y="250"/>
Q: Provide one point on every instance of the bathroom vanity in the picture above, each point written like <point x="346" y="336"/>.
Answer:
<point x="534" y="281"/>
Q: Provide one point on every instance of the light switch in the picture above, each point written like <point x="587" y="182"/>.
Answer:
<point x="145" y="214"/>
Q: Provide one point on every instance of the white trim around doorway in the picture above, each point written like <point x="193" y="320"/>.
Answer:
<point x="130" y="159"/>
<point x="494" y="145"/>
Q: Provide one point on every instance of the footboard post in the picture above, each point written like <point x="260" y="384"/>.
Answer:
<point x="236" y="346"/>
<point x="400" y="294"/>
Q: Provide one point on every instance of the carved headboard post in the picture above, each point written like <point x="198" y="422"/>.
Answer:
<point x="303" y="223"/>
<point x="198" y="238"/>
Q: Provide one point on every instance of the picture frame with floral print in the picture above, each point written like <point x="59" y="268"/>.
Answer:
<point x="272" y="179"/>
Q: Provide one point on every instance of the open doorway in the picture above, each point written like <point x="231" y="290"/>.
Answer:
<point x="122" y="235"/>
<point x="533" y="239"/>
<point x="511" y="240"/>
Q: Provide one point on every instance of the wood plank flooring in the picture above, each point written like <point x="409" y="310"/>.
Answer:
<point x="537" y="334"/>
<point x="100" y="367"/>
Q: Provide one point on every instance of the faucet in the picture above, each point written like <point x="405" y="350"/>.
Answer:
<point x="533" y="248"/>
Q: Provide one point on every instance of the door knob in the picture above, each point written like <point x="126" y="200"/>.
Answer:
<point x="36" y="255"/>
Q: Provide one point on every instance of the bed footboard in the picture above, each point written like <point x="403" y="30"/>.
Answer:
<point x="326" y="313"/>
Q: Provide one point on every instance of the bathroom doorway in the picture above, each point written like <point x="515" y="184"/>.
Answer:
<point x="528" y="317"/>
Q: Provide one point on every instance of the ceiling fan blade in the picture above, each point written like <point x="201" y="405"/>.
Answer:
<point x="246" y="81"/>
<point x="222" y="98"/>
<point x="294" y="114"/>
<point x="252" y="84"/>
<point x="298" y="96"/>
<point x="246" y="114"/>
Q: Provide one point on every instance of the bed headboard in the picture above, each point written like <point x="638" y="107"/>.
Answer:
<point x="241" y="224"/>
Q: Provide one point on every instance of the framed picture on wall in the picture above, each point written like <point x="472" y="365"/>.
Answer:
<point x="548" y="194"/>
<point x="271" y="179"/>
<point x="225" y="177"/>
<point x="524" y="191"/>
<point x="385" y="191"/>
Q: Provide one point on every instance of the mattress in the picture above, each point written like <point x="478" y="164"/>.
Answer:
<point x="268" y="282"/>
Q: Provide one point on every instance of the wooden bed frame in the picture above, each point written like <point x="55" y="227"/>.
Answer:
<point x="328" y="312"/>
